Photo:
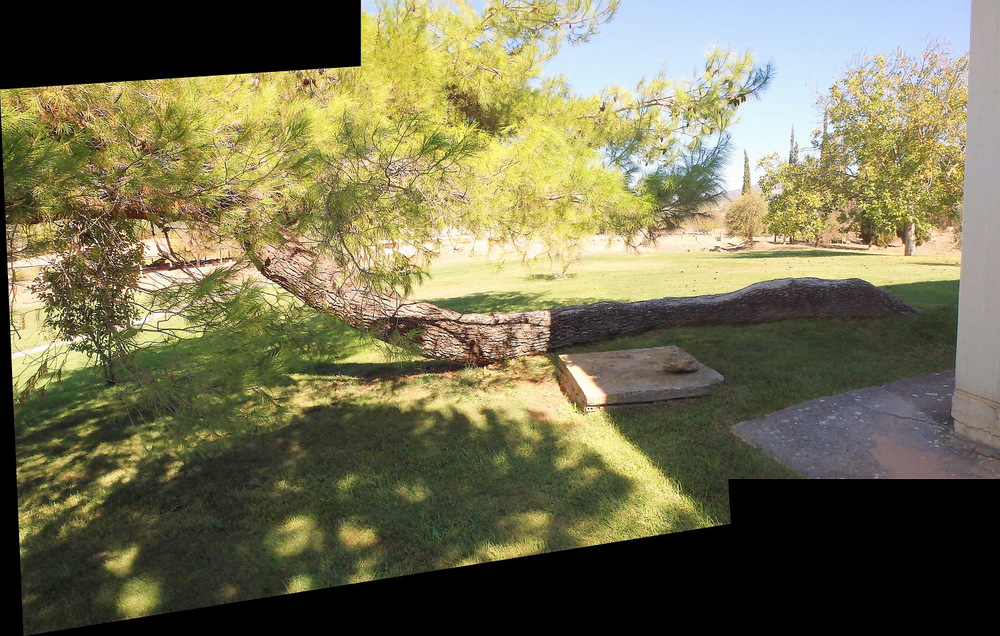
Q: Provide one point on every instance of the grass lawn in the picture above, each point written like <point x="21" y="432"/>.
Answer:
<point x="379" y="469"/>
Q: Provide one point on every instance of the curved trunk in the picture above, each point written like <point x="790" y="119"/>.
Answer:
<point x="491" y="337"/>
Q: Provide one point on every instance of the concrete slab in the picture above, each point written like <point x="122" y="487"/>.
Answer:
<point x="610" y="378"/>
<point x="900" y="430"/>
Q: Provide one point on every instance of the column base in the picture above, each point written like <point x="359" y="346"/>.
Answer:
<point x="976" y="418"/>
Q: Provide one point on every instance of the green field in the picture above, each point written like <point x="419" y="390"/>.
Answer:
<point x="371" y="468"/>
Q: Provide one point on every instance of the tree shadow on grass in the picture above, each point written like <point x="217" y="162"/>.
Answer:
<point x="353" y="490"/>
<point x="813" y="253"/>
<point x="772" y="366"/>
<point x="72" y="414"/>
<point x="488" y="302"/>
<point x="369" y="486"/>
<point x="550" y="277"/>
<point x="804" y="253"/>
<point x="927" y="294"/>
<point x="934" y="263"/>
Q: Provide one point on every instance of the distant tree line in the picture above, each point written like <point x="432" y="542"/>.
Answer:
<point x="889" y="159"/>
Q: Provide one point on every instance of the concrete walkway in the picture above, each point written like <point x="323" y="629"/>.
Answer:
<point x="900" y="430"/>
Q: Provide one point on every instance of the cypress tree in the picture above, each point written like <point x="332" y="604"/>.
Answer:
<point x="824" y="155"/>
<point x="746" y="173"/>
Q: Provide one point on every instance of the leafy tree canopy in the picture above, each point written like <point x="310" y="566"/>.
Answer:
<point x="898" y="139"/>
<point x="890" y="156"/>
<point x="745" y="216"/>
<point x="801" y="196"/>
<point x="448" y="124"/>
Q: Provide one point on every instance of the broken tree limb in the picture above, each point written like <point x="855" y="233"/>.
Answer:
<point x="484" y="338"/>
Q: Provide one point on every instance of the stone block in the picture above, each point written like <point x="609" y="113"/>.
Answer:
<point x="635" y="376"/>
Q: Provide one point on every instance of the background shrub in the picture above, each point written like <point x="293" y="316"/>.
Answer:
<point x="745" y="216"/>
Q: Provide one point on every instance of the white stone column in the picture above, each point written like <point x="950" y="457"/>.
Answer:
<point x="976" y="403"/>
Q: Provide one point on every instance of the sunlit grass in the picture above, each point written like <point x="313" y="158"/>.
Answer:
<point x="380" y="469"/>
<point x="657" y="275"/>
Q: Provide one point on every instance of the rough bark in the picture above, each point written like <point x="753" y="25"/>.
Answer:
<point x="486" y="338"/>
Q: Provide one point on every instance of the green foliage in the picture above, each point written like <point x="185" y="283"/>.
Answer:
<point x="89" y="292"/>
<point x="801" y="197"/>
<point x="683" y="190"/>
<point x="898" y="140"/>
<point x="890" y="153"/>
<point x="447" y="126"/>
<point x="745" y="216"/>
<point x="227" y="375"/>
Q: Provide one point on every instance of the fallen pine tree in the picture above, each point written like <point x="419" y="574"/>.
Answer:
<point x="485" y="338"/>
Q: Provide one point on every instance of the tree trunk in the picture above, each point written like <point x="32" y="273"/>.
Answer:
<point x="491" y="337"/>
<point x="909" y="238"/>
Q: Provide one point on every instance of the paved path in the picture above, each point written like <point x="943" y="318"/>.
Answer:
<point x="899" y="430"/>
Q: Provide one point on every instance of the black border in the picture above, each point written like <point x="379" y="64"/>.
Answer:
<point x="136" y="42"/>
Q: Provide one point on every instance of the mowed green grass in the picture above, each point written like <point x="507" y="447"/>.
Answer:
<point x="637" y="277"/>
<point x="379" y="469"/>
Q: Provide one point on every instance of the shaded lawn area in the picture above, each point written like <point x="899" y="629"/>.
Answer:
<point x="386" y="469"/>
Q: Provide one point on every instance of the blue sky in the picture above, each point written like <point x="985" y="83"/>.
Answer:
<point x="809" y="42"/>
